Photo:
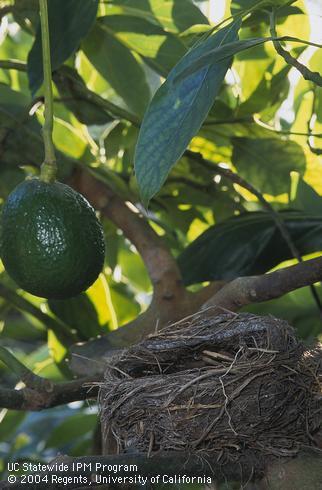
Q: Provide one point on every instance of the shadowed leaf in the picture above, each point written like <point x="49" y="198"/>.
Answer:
<point x="246" y="245"/>
<point x="176" y="114"/>
<point x="69" y="22"/>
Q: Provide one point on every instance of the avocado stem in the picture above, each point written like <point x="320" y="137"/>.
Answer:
<point x="49" y="167"/>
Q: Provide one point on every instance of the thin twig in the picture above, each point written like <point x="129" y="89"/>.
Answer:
<point x="316" y="151"/>
<point x="13" y="65"/>
<point x="304" y="70"/>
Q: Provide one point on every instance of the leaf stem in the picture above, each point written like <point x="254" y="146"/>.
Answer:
<point x="49" y="166"/>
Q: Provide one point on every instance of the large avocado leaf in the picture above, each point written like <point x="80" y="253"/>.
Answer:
<point x="176" y="113"/>
<point x="160" y="49"/>
<point x="248" y="244"/>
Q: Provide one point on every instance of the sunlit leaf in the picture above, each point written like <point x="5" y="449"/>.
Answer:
<point x="239" y="5"/>
<point x="115" y="62"/>
<point x="58" y="352"/>
<point x="267" y="163"/>
<point x="100" y="295"/>
<point x="160" y="49"/>
<point x="174" y="15"/>
<point x="126" y="308"/>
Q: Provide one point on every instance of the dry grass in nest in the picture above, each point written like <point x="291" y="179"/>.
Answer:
<point x="225" y="386"/>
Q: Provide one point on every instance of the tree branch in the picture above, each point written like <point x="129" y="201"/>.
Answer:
<point x="161" y="265"/>
<point x="59" y="394"/>
<point x="254" y="289"/>
<point x="40" y="392"/>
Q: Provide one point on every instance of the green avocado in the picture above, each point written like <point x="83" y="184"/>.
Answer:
<point x="51" y="242"/>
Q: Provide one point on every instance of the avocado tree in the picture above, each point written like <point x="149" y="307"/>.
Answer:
<point x="198" y="143"/>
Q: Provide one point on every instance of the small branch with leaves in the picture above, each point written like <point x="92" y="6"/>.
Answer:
<point x="40" y="393"/>
<point x="306" y="73"/>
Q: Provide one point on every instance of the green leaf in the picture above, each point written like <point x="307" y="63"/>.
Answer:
<point x="307" y="199"/>
<point x="134" y="270"/>
<point x="118" y="65"/>
<point x="22" y="133"/>
<point x="267" y="163"/>
<point x="260" y="16"/>
<point x="76" y="97"/>
<point x="12" y="99"/>
<point x="176" y="113"/>
<point x="25" y="13"/>
<point x="223" y="52"/>
<point x="10" y="177"/>
<point x="161" y="50"/>
<point x="211" y="55"/>
<point x="315" y="65"/>
<point x="58" y="352"/>
<point x="69" y="22"/>
<point x="100" y="295"/>
<point x="173" y="15"/>
<point x="10" y="421"/>
<point x="298" y="308"/>
<point x="126" y="308"/>
<point x="79" y="313"/>
<point x="247" y="244"/>
<point x="239" y="5"/>
<point x="71" y="429"/>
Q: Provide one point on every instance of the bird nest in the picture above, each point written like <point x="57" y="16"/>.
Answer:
<point x="223" y="385"/>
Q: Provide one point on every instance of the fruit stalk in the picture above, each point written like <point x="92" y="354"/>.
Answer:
<point x="49" y="166"/>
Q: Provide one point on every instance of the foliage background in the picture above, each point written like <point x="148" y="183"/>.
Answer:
<point x="266" y="124"/>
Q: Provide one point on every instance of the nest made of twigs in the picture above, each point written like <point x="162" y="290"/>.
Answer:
<point x="222" y="385"/>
